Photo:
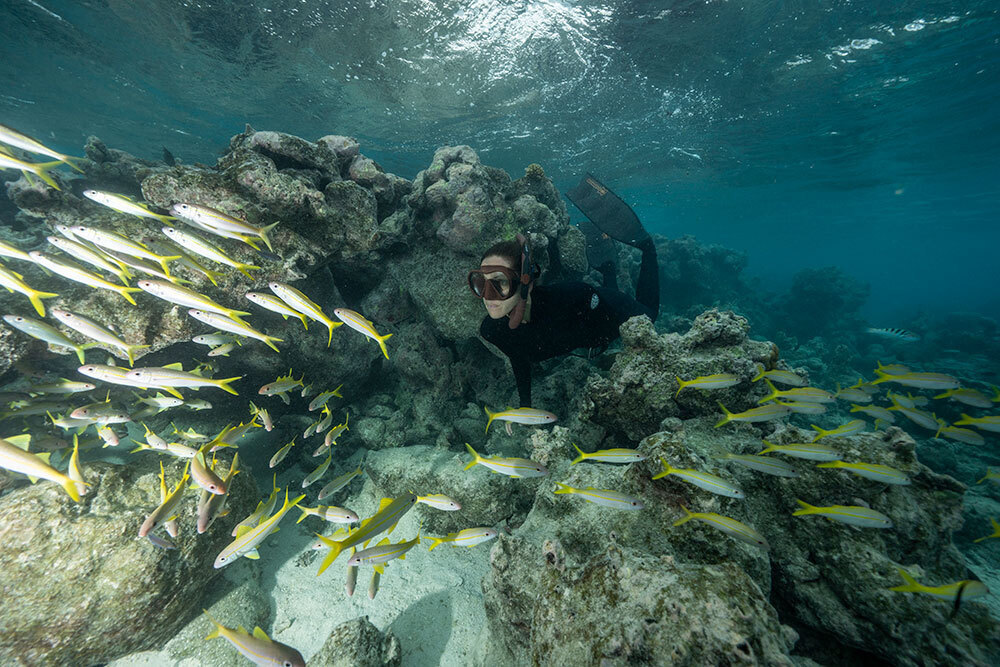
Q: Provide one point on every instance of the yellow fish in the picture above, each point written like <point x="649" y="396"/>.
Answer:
<point x="969" y="588"/>
<point x="358" y="322"/>
<point x="717" y="381"/>
<point x="14" y="456"/>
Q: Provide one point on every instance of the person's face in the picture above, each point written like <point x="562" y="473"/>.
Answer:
<point x="499" y="308"/>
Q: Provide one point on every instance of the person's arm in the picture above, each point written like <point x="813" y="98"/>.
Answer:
<point x="522" y="375"/>
<point x="519" y="362"/>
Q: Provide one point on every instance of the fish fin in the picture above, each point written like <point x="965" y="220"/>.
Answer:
<point x="335" y="549"/>
<point x="263" y="234"/>
<point x="475" y="455"/>
<point x="437" y="541"/>
<point x="770" y="448"/>
<point x="831" y="464"/>
<point x="490" y="416"/>
<point x="252" y="555"/>
<point x="380" y="568"/>
<point x="381" y="343"/>
<point x="21" y="441"/>
<point x="216" y="626"/>
<point x="260" y="634"/>
<point x="911" y="585"/>
<point x="760" y="373"/>
<point x="579" y="458"/>
<point x="383" y="542"/>
<point x="680" y="385"/>
<point x="224" y="384"/>
<point x="667" y="469"/>
<point x="728" y="415"/>
<point x="243" y="530"/>
<point x="806" y="508"/>
<point x="563" y="488"/>
<point x="688" y="515"/>
<point x="36" y="300"/>
<point x="42" y="172"/>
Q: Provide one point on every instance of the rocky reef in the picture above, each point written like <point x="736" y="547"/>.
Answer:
<point x="568" y="581"/>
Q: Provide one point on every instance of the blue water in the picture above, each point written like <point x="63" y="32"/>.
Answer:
<point x="862" y="135"/>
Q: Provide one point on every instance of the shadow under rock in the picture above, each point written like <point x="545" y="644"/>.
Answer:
<point x="423" y="629"/>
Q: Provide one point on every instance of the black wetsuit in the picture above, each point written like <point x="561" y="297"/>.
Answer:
<point x="571" y="315"/>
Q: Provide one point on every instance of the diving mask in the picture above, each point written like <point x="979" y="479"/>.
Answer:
<point x="502" y="283"/>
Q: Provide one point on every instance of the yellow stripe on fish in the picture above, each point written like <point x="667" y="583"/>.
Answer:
<point x="703" y="480"/>
<point x="717" y="381"/>
<point x="512" y="467"/>
<point x="358" y="322"/>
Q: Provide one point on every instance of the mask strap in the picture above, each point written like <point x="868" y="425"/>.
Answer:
<point x="527" y="277"/>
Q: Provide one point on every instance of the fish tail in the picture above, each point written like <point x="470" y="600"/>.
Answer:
<point x="381" y="343"/>
<point x="43" y="172"/>
<point x="563" y="488"/>
<point x="489" y="417"/>
<point x="305" y="323"/>
<point x="304" y="514"/>
<point x="224" y="384"/>
<point x="335" y="549"/>
<point x="72" y="489"/>
<point x="911" y="585"/>
<point x="727" y="418"/>
<point x="966" y="419"/>
<point x="667" y="469"/>
<point x="806" y="508"/>
<point x="772" y="396"/>
<point x="70" y="162"/>
<point x="244" y="268"/>
<point x="688" y="515"/>
<point x="855" y="407"/>
<point x="760" y="373"/>
<point x="36" y="300"/>
<point x="237" y="315"/>
<point x="820" y="433"/>
<point x="330" y="327"/>
<point x="126" y="292"/>
<point x="767" y="450"/>
<point x="680" y="385"/>
<point x="80" y="354"/>
<point x="946" y="394"/>
<point x="263" y="234"/>
<point x="579" y="458"/>
<point x="882" y="375"/>
<point x="831" y="464"/>
<point x="475" y="456"/>
<point x="438" y="541"/>
<point x="164" y="260"/>
<point x="216" y="627"/>
<point x="131" y="350"/>
<point x="267" y="341"/>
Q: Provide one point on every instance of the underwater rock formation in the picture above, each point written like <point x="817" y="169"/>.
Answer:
<point x="641" y="388"/>
<point x="823" y="302"/>
<point x="693" y="274"/>
<point x="358" y="643"/>
<point x="79" y="586"/>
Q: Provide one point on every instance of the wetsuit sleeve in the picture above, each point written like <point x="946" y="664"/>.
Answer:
<point x="520" y="363"/>
<point x="522" y="375"/>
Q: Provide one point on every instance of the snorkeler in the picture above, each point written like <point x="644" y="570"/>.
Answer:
<point x="531" y="323"/>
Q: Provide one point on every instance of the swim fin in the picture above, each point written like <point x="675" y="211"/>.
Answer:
<point x="608" y="212"/>
<point x="600" y="249"/>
